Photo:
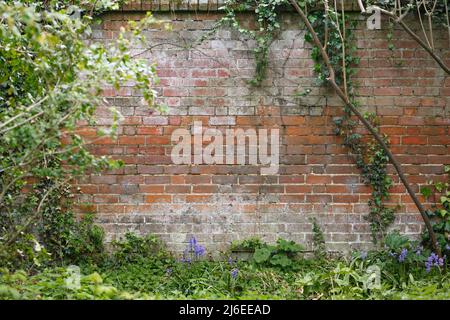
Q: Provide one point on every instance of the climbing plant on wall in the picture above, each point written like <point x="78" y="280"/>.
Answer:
<point x="329" y="30"/>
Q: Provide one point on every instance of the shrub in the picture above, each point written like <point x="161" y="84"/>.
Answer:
<point x="52" y="80"/>
<point x="282" y="255"/>
<point x="439" y="192"/>
<point x="53" y="284"/>
<point x="133" y="248"/>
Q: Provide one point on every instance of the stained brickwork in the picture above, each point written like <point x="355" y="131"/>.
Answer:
<point x="317" y="177"/>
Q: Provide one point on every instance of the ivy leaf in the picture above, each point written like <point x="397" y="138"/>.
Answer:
<point x="447" y="226"/>
<point x="443" y="213"/>
<point x="308" y="38"/>
<point x="426" y="192"/>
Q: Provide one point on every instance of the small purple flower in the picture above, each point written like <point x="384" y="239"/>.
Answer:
<point x="403" y="255"/>
<point x="186" y="258"/>
<point x="419" y="250"/>
<point x="234" y="273"/>
<point x="447" y="247"/>
<point x="393" y="254"/>
<point x="199" y="251"/>
<point x="193" y="250"/>
<point x="169" y="271"/>
<point x="192" y="243"/>
<point x="230" y="261"/>
<point x="433" y="261"/>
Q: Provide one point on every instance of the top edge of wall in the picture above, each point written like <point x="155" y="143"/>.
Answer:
<point x="193" y="5"/>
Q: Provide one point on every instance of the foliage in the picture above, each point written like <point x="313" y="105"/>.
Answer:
<point x="373" y="275"/>
<point x="403" y="260"/>
<point x="373" y="160"/>
<point x="51" y="80"/>
<point x="281" y="255"/>
<point x="133" y="248"/>
<point x="440" y="211"/>
<point x="335" y="30"/>
<point x="66" y="237"/>
<point x="250" y="244"/>
<point x="93" y="6"/>
<point x="54" y="284"/>
<point x="268" y="25"/>
<point x="318" y="240"/>
<point x="26" y="253"/>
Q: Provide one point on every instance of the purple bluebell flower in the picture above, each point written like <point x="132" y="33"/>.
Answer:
<point x="186" y="257"/>
<point x="447" y="247"/>
<point x="403" y="255"/>
<point x="192" y="243"/>
<point x="193" y="251"/>
<point x="419" y="250"/>
<point x="199" y="251"/>
<point x="234" y="273"/>
<point x="434" y="261"/>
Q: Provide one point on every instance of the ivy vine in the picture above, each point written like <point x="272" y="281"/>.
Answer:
<point x="268" y="26"/>
<point x="335" y="29"/>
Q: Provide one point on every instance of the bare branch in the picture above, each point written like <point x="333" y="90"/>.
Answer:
<point x="399" y="20"/>
<point x="370" y="128"/>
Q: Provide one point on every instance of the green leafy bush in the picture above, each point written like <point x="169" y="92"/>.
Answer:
<point x="439" y="192"/>
<point x="319" y="247"/>
<point x="51" y="80"/>
<point x="250" y="244"/>
<point x="132" y="248"/>
<point x="282" y="255"/>
<point x="54" y="284"/>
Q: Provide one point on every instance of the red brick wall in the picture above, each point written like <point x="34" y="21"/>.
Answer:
<point x="317" y="177"/>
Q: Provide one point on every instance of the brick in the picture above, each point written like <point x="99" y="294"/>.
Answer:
<point x="318" y="179"/>
<point x="132" y="140"/>
<point x="149" y="131"/>
<point x="222" y="121"/>
<point x="158" y="198"/>
<point x="414" y="140"/>
<point x="156" y="120"/>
